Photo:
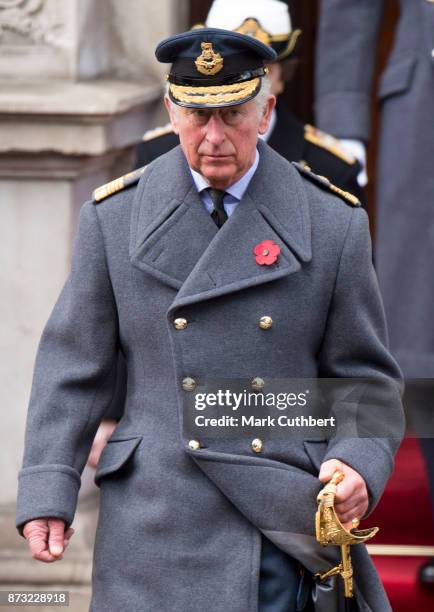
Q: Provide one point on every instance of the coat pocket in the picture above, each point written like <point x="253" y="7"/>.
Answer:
<point x="397" y="78"/>
<point x="315" y="450"/>
<point x="114" y="456"/>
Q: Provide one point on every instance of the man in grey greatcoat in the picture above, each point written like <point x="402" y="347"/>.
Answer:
<point x="220" y="260"/>
<point x="404" y="241"/>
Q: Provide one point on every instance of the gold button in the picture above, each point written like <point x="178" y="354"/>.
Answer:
<point x="265" y="322"/>
<point x="257" y="445"/>
<point x="180" y="323"/>
<point x="258" y="383"/>
<point x="194" y="444"/>
<point x="188" y="384"/>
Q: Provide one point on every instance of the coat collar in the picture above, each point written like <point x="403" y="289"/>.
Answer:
<point x="174" y="239"/>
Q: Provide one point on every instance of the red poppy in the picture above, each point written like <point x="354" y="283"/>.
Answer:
<point x="266" y="252"/>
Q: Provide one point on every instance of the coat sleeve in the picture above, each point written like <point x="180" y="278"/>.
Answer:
<point x="367" y="397"/>
<point x="345" y="61"/>
<point x="73" y="381"/>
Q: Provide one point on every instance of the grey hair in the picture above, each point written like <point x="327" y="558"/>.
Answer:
<point x="260" y="99"/>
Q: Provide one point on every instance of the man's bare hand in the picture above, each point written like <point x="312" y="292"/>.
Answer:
<point x="47" y="538"/>
<point x="351" y="500"/>
<point x="104" y="432"/>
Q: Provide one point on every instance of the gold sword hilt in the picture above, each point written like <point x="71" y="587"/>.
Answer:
<point x="331" y="532"/>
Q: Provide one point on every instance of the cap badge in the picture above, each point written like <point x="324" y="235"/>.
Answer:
<point x="252" y="27"/>
<point x="209" y="62"/>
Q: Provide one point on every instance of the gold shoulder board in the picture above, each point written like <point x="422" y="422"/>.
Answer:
<point x="324" y="182"/>
<point x="327" y="142"/>
<point x="156" y="132"/>
<point x="128" y="180"/>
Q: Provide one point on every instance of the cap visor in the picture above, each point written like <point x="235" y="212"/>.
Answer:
<point x="214" y="96"/>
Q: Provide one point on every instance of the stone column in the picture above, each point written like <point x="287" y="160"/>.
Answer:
<point x="78" y="87"/>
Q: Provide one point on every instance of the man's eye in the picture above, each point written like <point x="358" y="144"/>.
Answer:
<point x="232" y="115"/>
<point x="199" y="115"/>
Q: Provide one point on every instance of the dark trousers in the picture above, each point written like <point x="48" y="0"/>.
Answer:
<point x="281" y="588"/>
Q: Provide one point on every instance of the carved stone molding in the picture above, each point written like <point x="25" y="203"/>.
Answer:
<point x="28" y="22"/>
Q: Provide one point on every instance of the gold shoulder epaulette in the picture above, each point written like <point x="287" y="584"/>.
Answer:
<point x="128" y="180"/>
<point x="324" y="182"/>
<point x="327" y="142"/>
<point x="156" y="132"/>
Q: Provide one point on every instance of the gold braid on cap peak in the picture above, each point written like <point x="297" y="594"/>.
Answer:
<point x="252" y="27"/>
<point x="214" y="94"/>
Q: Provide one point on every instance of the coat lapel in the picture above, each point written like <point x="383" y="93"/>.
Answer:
<point x="174" y="239"/>
<point x="170" y="229"/>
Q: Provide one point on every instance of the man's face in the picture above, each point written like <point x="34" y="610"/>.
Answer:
<point x="220" y="143"/>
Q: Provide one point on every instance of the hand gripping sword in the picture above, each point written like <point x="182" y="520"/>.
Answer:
<point x="331" y="532"/>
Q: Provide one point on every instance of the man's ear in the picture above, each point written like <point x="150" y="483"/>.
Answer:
<point x="266" y="114"/>
<point x="172" y="114"/>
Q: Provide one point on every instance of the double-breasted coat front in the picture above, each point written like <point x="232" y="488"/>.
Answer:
<point x="179" y="527"/>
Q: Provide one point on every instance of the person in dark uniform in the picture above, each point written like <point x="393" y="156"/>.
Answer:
<point x="269" y="21"/>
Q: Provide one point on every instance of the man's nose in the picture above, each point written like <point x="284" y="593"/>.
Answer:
<point x="215" y="130"/>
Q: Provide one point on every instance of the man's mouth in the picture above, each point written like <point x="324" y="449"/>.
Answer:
<point x="216" y="157"/>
